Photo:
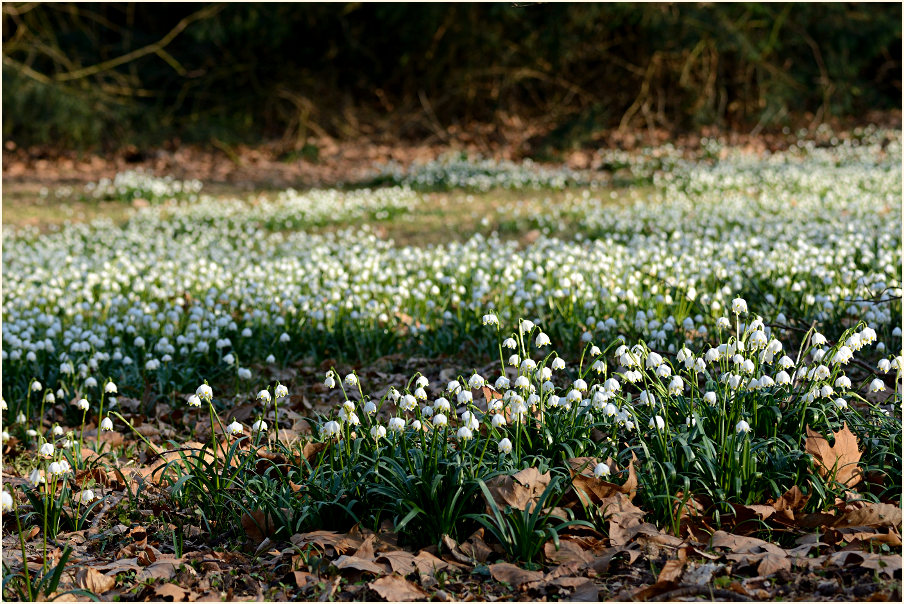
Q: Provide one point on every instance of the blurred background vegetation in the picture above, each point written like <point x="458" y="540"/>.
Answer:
<point x="103" y="75"/>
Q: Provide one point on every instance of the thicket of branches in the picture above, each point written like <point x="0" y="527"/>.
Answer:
<point x="82" y="74"/>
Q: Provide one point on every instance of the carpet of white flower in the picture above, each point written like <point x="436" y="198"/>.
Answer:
<point x="705" y="327"/>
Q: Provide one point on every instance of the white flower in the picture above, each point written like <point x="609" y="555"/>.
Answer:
<point x="505" y="446"/>
<point x="843" y="355"/>
<point x="782" y="378"/>
<point x="739" y="306"/>
<point x="110" y="388"/>
<point x="653" y="360"/>
<point x="734" y="381"/>
<point x="442" y="405"/>
<point x="47" y="450"/>
<point x="106" y="425"/>
<point x="558" y="363"/>
<point x="510" y="343"/>
<point x="599" y="366"/>
<point x="742" y="427"/>
<point x="329" y="381"/>
<point x="421" y="382"/>
<point x="36" y="477"/>
<point x="6" y="500"/>
<point x="657" y="422"/>
<point x="664" y="371"/>
<point x="244" y="373"/>
<point x="464" y="397"/>
<point x="58" y="430"/>
<point x="235" y="428"/>
<point x="690" y="421"/>
<point x="514" y="360"/>
<point x="193" y="401"/>
<point x="89" y="383"/>
<point x="747" y="366"/>
<point x="723" y="323"/>
<point x="264" y="395"/>
<point x="766" y="381"/>
<point x="378" y="432"/>
<point x="526" y="326"/>
<point x="601" y="470"/>
<point x="676" y="386"/>
<point x="476" y="381"/>
<point x="470" y="420"/>
<point x="884" y="365"/>
<point x="82" y="404"/>
<point x="785" y="362"/>
<point x="843" y="382"/>
<point x="453" y="387"/>
<point x="522" y="382"/>
<point x="818" y="339"/>
<point x="20" y="418"/>
<point x="490" y="319"/>
<point x="712" y="355"/>
<point x="841" y="403"/>
<point x="439" y="420"/>
<point x="464" y="433"/>
<point x="284" y="337"/>
<point x="370" y="408"/>
<point x="204" y="392"/>
<point x="528" y="365"/>
<point x="710" y="397"/>
<point x="281" y="391"/>
<point x="502" y="383"/>
<point x="85" y="497"/>
<point x="396" y="424"/>
<point x="610" y="410"/>
<point x="876" y="385"/>
<point x="36" y="386"/>
<point x="229" y="359"/>
<point x="5" y="436"/>
<point x="351" y="380"/>
<point x="416" y="425"/>
<point x="331" y="429"/>
<point x="259" y="426"/>
<point x="580" y="385"/>
<point x="498" y="420"/>
<point x="647" y="398"/>
<point x="542" y="340"/>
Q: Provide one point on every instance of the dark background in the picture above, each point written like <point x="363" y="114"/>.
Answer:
<point x="93" y="75"/>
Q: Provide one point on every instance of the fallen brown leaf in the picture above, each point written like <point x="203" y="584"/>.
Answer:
<point x="394" y="588"/>
<point x="838" y="460"/>
<point x="95" y="581"/>
<point x="520" y="490"/>
<point x="355" y="563"/>
<point x="513" y="575"/>
<point x="671" y="571"/>
<point x="170" y="592"/>
<point x="876" y="514"/>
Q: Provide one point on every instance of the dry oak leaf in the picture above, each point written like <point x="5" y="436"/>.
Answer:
<point x="394" y="588"/>
<point x="671" y="571"/>
<point x="520" y="490"/>
<point x="839" y="460"/>
<point x="338" y="541"/>
<point x="95" y="581"/>
<point x="511" y="574"/>
<point x="594" y="490"/>
<point x="170" y="592"/>
<point x="402" y="562"/>
<point x="355" y="563"/>
<point x="890" y="565"/>
<point x="877" y="514"/>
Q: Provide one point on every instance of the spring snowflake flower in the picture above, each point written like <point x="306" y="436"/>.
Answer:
<point x="498" y="420"/>
<point x="653" y="360"/>
<point x="610" y="410"/>
<point x="270" y="359"/>
<point x="370" y="408"/>
<point x="896" y="332"/>
<point x="490" y="319"/>
<point x="421" y="382"/>
<point x="259" y="426"/>
<point x="742" y="427"/>
<point x="690" y="421"/>
<point x="454" y="387"/>
<point x="526" y="326"/>
<point x="235" y="428"/>
<point x="710" y="397"/>
<point x="855" y="341"/>
<point x="331" y="429"/>
<point x="766" y="381"/>
<point x="464" y="397"/>
<point x="505" y="447"/>
<point x="747" y="366"/>
<point x="378" y="432"/>
<point x="442" y="405"/>
<point x="657" y="422"/>
<point x="528" y="365"/>
<point x="739" y="306"/>
<point x="601" y="470"/>
<point x="416" y="425"/>
<point x="734" y="381"/>
<point x="841" y="403"/>
<point x="47" y="450"/>
<point x="281" y="391"/>
<point x="20" y="419"/>
<point x="351" y="380"/>
<point x="82" y="404"/>
<point x="542" y="340"/>
<point x="476" y="381"/>
<point x="522" y="382"/>
<point x="89" y="383"/>
<point x="782" y="378"/>
<point x="884" y="365"/>
<point x="106" y="425"/>
<point x="408" y="402"/>
<point x="676" y="386"/>
<point x="4" y="436"/>
<point x="85" y="497"/>
<point x="110" y="388"/>
<point x="843" y="382"/>
<point x="464" y="433"/>
<point x="193" y="401"/>
<point x="439" y="420"/>
<point x="264" y="395"/>
<point x="6" y="500"/>
<point x="510" y="343"/>
<point x="396" y="424"/>
<point x="580" y="385"/>
<point x="647" y="398"/>
<point x="470" y="420"/>
<point x="58" y="430"/>
<point x="36" y="386"/>
<point x="329" y="381"/>
<point x="204" y="392"/>
<point x="599" y="366"/>
<point x="663" y="371"/>
<point x="723" y="323"/>
<point x="229" y="359"/>
<point x="558" y="363"/>
<point x="514" y="360"/>
<point x="876" y="385"/>
<point x="818" y="339"/>
<point x="712" y="355"/>
<point x="284" y="337"/>
<point x="502" y="383"/>
<point x="843" y="356"/>
<point x="36" y="477"/>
